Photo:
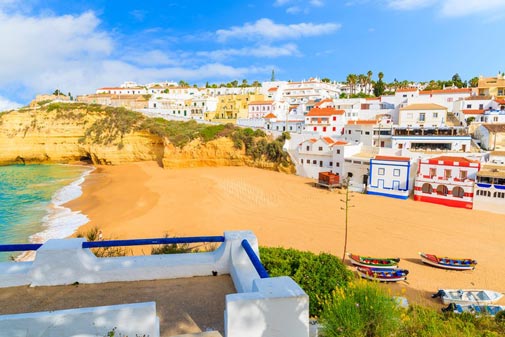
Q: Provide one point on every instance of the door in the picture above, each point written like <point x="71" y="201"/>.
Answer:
<point x="396" y="185"/>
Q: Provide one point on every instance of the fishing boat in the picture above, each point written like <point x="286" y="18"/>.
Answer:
<point x="374" y="262"/>
<point x="448" y="262"/>
<point x="382" y="274"/>
<point x="478" y="310"/>
<point x="467" y="296"/>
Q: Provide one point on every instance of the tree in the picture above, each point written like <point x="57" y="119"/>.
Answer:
<point x="183" y="84"/>
<point x="325" y="80"/>
<point x="362" y="79"/>
<point x="369" y="80"/>
<point x="351" y="81"/>
<point x="57" y="92"/>
<point x="474" y="82"/>
<point x="456" y="79"/>
<point x="244" y="83"/>
<point x="379" y="88"/>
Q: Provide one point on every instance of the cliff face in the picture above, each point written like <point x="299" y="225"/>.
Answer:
<point x="51" y="135"/>
<point x="41" y="136"/>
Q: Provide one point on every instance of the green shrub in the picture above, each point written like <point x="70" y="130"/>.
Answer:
<point x="318" y="275"/>
<point x="360" y="310"/>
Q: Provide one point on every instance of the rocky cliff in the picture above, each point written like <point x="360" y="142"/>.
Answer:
<point x="111" y="136"/>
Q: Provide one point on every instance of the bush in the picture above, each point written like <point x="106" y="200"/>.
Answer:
<point x="318" y="275"/>
<point x="361" y="310"/>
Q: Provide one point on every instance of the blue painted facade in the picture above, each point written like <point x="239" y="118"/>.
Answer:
<point x="390" y="178"/>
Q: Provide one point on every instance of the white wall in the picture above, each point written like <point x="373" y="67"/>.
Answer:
<point x="137" y="319"/>
<point x="282" y="305"/>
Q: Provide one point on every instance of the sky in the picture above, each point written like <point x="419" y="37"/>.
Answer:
<point x="79" y="46"/>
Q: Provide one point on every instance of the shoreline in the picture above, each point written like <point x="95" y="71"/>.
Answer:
<point x="61" y="221"/>
<point x="142" y="200"/>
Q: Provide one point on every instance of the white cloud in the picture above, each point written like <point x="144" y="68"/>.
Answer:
<point x="6" y="104"/>
<point x="267" y="29"/>
<point x="451" y="8"/>
<point x="298" y="6"/>
<point x="456" y="8"/>
<point x="72" y="53"/>
<point x="293" y="10"/>
<point x="316" y="3"/>
<point x="409" y="4"/>
<point x="266" y="51"/>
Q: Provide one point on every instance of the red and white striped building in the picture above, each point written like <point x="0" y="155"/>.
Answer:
<point x="446" y="181"/>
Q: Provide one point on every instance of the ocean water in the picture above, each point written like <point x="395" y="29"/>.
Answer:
<point x="31" y="199"/>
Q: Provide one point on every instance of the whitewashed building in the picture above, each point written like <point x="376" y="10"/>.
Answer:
<point x="422" y="115"/>
<point x="446" y="181"/>
<point x="325" y="122"/>
<point x="491" y="136"/>
<point x="391" y="176"/>
<point x="489" y="192"/>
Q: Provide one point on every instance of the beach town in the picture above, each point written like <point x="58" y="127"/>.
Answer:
<point x="279" y="168"/>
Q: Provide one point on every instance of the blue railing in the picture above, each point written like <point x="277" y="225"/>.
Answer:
<point x="159" y="241"/>
<point x="20" y="247"/>
<point x="254" y="259"/>
<point x="118" y="243"/>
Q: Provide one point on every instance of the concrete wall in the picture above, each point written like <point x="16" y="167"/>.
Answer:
<point x="276" y="307"/>
<point x="137" y="319"/>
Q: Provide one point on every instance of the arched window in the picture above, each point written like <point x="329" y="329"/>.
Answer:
<point x="427" y="188"/>
<point x="458" y="192"/>
<point x="442" y="190"/>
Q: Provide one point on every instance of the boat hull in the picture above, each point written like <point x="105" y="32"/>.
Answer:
<point x="359" y="261"/>
<point x="383" y="275"/>
<point x="468" y="296"/>
<point x="432" y="260"/>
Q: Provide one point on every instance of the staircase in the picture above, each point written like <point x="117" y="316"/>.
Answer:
<point x="452" y="120"/>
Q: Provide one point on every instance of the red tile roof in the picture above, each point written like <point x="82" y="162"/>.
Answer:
<point x="340" y="142"/>
<point x="328" y="140"/>
<point x="406" y="89"/>
<point x="446" y="91"/>
<point x="273" y="89"/>
<point x="270" y="115"/>
<point x="325" y="112"/>
<point x="392" y="158"/>
<point x="473" y="111"/>
<point x="328" y="100"/>
<point x="500" y="101"/>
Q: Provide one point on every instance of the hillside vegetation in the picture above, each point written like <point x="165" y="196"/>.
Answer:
<point x="63" y="132"/>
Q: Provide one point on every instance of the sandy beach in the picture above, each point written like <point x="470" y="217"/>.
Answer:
<point x="142" y="200"/>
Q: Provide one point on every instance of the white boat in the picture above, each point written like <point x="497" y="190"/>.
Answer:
<point x="474" y="309"/>
<point x="468" y="296"/>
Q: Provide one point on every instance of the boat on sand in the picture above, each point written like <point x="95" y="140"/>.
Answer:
<point x="467" y="296"/>
<point x="448" y="262"/>
<point x="382" y="274"/>
<point x="374" y="262"/>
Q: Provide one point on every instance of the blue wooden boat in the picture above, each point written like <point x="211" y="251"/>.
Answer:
<point x="382" y="274"/>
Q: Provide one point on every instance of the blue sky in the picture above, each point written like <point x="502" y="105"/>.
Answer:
<point x="80" y="46"/>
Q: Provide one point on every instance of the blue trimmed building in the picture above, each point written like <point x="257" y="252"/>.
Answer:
<point x="391" y="176"/>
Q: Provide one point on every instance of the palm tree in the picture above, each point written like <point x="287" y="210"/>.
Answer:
<point x="380" y="75"/>
<point x="362" y="81"/>
<point x="369" y="80"/>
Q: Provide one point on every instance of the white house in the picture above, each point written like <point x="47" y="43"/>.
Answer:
<point x="391" y="176"/>
<point x="422" y="115"/>
<point x="446" y="181"/>
<point x="491" y="136"/>
<point x="489" y="192"/>
<point x="316" y="155"/>
<point x="325" y="121"/>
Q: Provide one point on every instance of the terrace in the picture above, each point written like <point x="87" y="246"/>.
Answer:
<point x="141" y="294"/>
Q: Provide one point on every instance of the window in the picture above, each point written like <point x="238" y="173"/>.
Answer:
<point x="435" y="115"/>
<point x="481" y="106"/>
<point x="315" y="128"/>
<point x="447" y="173"/>
<point x="308" y="148"/>
<point x="367" y="132"/>
<point x="320" y="148"/>
<point x="334" y="129"/>
<point x="463" y="174"/>
<point x="427" y="188"/>
<point x="331" y="163"/>
<point x="468" y="106"/>
<point x="301" y="160"/>
<point x="314" y="162"/>
<point x="422" y="117"/>
<point x="324" y="128"/>
<point x="433" y="172"/>
<point x="458" y="192"/>
<point x="349" y="131"/>
<point x="396" y="172"/>
<point x="337" y="164"/>
<point x="338" y="151"/>
<point x="320" y="163"/>
<point x="442" y="190"/>
<point x="381" y="171"/>
<point x="334" y="118"/>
